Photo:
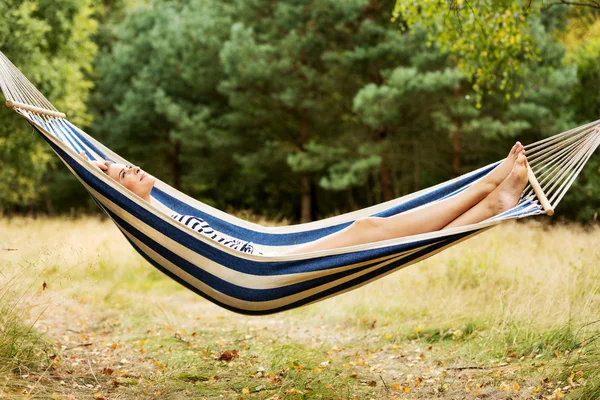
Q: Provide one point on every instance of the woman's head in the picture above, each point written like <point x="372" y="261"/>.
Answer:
<point x="133" y="178"/>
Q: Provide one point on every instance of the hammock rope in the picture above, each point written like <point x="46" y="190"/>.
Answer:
<point x="254" y="284"/>
<point x="21" y="93"/>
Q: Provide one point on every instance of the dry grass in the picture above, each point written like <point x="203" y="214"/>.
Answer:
<point x="511" y="301"/>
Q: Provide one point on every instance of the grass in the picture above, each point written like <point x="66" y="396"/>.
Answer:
<point x="22" y="347"/>
<point x="507" y="314"/>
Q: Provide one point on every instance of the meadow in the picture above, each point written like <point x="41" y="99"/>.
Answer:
<point x="509" y="314"/>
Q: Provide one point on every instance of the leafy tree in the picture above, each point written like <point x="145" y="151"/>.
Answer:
<point x="271" y="106"/>
<point x="583" y="51"/>
<point x="397" y="105"/>
<point x="489" y="40"/>
<point x="278" y="84"/>
<point x="50" y="42"/>
<point x="157" y="100"/>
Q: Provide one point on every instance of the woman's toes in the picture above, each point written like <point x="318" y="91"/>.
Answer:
<point x="520" y="148"/>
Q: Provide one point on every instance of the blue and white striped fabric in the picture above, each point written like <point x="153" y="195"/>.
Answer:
<point x="203" y="227"/>
<point x="251" y="283"/>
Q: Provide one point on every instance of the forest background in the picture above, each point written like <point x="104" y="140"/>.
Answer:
<point x="298" y="109"/>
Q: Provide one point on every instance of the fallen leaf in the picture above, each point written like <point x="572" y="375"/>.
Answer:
<point x="558" y="394"/>
<point x="107" y="371"/>
<point x="297" y="365"/>
<point x="228" y="355"/>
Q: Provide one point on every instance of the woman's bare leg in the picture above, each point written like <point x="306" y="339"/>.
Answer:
<point x="503" y="198"/>
<point x="429" y="218"/>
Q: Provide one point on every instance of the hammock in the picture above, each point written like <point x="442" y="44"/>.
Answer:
<point x="255" y="284"/>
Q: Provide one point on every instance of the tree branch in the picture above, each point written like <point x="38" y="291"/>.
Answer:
<point x="590" y="4"/>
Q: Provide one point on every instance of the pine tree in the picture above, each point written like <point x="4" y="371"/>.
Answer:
<point x="157" y="98"/>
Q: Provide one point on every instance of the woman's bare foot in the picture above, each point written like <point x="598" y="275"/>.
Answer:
<point x="499" y="174"/>
<point x="507" y="195"/>
<point x="503" y="198"/>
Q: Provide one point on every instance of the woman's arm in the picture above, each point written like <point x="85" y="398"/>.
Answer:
<point x="103" y="167"/>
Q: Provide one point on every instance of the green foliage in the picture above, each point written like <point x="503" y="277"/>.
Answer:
<point x="272" y="106"/>
<point x="50" y="42"/>
<point x="582" y="202"/>
<point x="157" y="94"/>
<point x="227" y="103"/>
<point x="490" y="40"/>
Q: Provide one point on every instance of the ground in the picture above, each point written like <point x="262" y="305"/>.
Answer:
<point x="501" y="316"/>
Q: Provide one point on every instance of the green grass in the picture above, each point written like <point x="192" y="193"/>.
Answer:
<point x="20" y="344"/>
<point x="23" y="348"/>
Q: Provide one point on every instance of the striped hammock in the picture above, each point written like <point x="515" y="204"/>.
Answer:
<point x="257" y="284"/>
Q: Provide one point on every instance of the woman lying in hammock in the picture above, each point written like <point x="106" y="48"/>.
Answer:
<point x="497" y="192"/>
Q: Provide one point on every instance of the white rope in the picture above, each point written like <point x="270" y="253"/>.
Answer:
<point x="551" y="163"/>
<point x="533" y="147"/>
<point x="582" y="163"/>
<point x="557" y="161"/>
<point x="20" y="93"/>
<point x="564" y="175"/>
<point x="540" y="156"/>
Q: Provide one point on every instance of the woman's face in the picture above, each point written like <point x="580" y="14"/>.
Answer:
<point x="133" y="178"/>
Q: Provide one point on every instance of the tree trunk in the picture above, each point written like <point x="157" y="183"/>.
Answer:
<point x="305" y="177"/>
<point x="386" y="180"/>
<point x="385" y="172"/>
<point x="49" y="203"/>
<point x="456" y="148"/>
<point x="306" y="199"/>
<point x="416" y="166"/>
<point x="177" y="168"/>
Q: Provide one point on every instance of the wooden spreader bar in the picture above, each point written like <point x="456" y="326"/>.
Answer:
<point x="535" y="185"/>
<point x="39" y="110"/>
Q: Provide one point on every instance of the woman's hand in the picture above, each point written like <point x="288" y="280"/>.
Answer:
<point x="103" y="167"/>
